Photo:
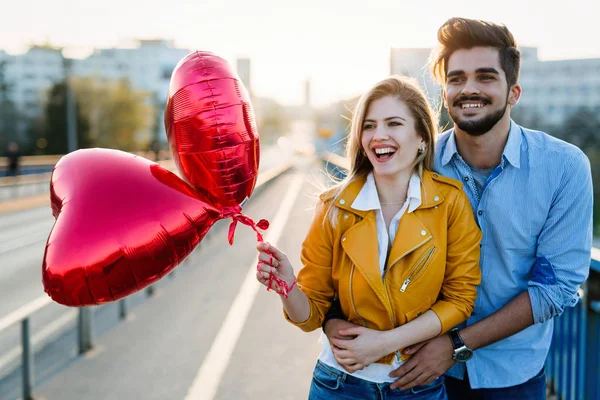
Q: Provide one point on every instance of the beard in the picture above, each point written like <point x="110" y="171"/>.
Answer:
<point x="480" y="126"/>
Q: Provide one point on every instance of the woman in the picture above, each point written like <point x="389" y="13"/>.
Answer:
<point x="394" y="241"/>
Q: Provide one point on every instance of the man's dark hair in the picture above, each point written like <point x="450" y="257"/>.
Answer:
<point x="463" y="33"/>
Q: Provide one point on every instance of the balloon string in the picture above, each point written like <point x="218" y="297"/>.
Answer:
<point x="236" y="216"/>
<point x="284" y="289"/>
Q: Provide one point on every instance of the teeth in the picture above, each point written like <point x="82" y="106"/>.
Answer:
<point x="476" y="105"/>
<point x="384" y="150"/>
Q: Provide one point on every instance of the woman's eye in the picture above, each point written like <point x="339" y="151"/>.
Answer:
<point x="368" y="126"/>
<point x="395" y="123"/>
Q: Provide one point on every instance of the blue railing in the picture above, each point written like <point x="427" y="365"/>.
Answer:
<point x="573" y="363"/>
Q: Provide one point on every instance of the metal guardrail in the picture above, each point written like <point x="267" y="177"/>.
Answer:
<point x="85" y="326"/>
<point x="573" y="362"/>
<point x="38" y="183"/>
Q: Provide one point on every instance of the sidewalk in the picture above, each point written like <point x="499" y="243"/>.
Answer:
<point x="24" y="203"/>
<point x="157" y="353"/>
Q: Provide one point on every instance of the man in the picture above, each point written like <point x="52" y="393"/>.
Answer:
<point x="13" y="156"/>
<point x="532" y="198"/>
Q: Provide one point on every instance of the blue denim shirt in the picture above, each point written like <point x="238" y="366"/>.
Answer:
<point x="535" y="213"/>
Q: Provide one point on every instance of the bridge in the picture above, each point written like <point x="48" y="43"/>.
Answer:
<point x="208" y="330"/>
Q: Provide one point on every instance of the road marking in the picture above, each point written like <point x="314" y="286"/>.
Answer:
<point x="209" y="376"/>
<point x="49" y="331"/>
<point x="24" y="241"/>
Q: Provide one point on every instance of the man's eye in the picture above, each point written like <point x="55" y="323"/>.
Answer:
<point x="455" y="80"/>
<point x="487" y="78"/>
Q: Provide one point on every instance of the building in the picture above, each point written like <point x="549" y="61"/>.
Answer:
<point x="414" y="63"/>
<point x="244" y="72"/>
<point x="553" y="90"/>
<point x="29" y="77"/>
<point x="148" y="67"/>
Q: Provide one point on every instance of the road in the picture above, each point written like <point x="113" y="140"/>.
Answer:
<point x="158" y="351"/>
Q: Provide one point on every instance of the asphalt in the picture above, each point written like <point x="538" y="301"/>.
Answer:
<point x="156" y="353"/>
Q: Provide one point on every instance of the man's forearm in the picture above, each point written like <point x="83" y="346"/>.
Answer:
<point x="510" y="319"/>
<point x="334" y="312"/>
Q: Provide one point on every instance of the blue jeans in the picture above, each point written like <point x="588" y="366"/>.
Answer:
<point x="533" y="389"/>
<point x="329" y="383"/>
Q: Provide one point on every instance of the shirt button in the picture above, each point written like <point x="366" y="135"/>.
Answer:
<point x="479" y="212"/>
<point x="435" y="175"/>
<point x="466" y="179"/>
<point x="345" y="216"/>
<point x="344" y="239"/>
<point x="423" y="233"/>
<point x="436" y="198"/>
<point x="342" y="201"/>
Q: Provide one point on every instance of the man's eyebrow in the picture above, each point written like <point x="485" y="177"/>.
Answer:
<point x="455" y="73"/>
<point x="487" y="71"/>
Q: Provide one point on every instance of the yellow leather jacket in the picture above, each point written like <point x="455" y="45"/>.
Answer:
<point x="433" y="263"/>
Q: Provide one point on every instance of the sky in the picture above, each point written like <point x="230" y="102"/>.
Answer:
<point x="341" y="46"/>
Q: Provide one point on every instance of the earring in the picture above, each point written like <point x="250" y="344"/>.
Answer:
<point x="421" y="150"/>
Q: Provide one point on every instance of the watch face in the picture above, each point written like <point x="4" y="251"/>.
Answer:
<point x="463" y="355"/>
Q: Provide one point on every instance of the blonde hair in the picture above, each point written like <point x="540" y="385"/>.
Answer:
<point x="410" y="93"/>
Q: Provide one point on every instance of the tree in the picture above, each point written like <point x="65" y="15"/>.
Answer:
<point x="55" y="126"/>
<point x="109" y="114"/>
<point x="271" y="119"/>
<point x="581" y="129"/>
<point x="120" y="117"/>
<point x="8" y="111"/>
<point x="528" y="117"/>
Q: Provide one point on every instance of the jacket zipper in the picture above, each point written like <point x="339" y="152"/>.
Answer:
<point x="418" y="269"/>
<point x="409" y="251"/>
<point x="395" y="261"/>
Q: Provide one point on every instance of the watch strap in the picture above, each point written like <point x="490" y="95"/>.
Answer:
<point x="457" y="341"/>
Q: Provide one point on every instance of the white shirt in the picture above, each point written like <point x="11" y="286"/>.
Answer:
<point x="368" y="199"/>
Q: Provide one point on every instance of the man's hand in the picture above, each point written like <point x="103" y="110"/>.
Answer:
<point x="429" y="360"/>
<point x="367" y="347"/>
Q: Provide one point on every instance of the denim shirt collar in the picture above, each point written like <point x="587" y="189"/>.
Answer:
<point x="511" y="153"/>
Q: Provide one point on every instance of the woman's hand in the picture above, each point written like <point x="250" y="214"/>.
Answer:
<point x="272" y="261"/>
<point x="367" y="347"/>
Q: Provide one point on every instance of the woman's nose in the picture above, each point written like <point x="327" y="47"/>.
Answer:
<point x="381" y="133"/>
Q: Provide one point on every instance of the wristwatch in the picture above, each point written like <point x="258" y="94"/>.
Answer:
<point x="461" y="352"/>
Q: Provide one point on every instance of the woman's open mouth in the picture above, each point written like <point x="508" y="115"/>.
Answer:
<point x="383" y="154"/>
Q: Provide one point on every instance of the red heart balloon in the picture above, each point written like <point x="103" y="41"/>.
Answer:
<point x="211" y="129"/>
<point x="122" y="223"/>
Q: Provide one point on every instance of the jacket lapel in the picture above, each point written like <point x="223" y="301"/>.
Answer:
<point x="411" y="235"/>
<point x="361" y="245"/>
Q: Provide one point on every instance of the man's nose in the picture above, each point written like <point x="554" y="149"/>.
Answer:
<point x="470" y="88"/>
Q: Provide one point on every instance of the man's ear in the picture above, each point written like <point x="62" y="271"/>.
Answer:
<point x="445" y="101"/>
<point x="515" y="94"/>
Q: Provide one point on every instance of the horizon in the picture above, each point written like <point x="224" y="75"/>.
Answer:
<point x="341" y="46"/>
